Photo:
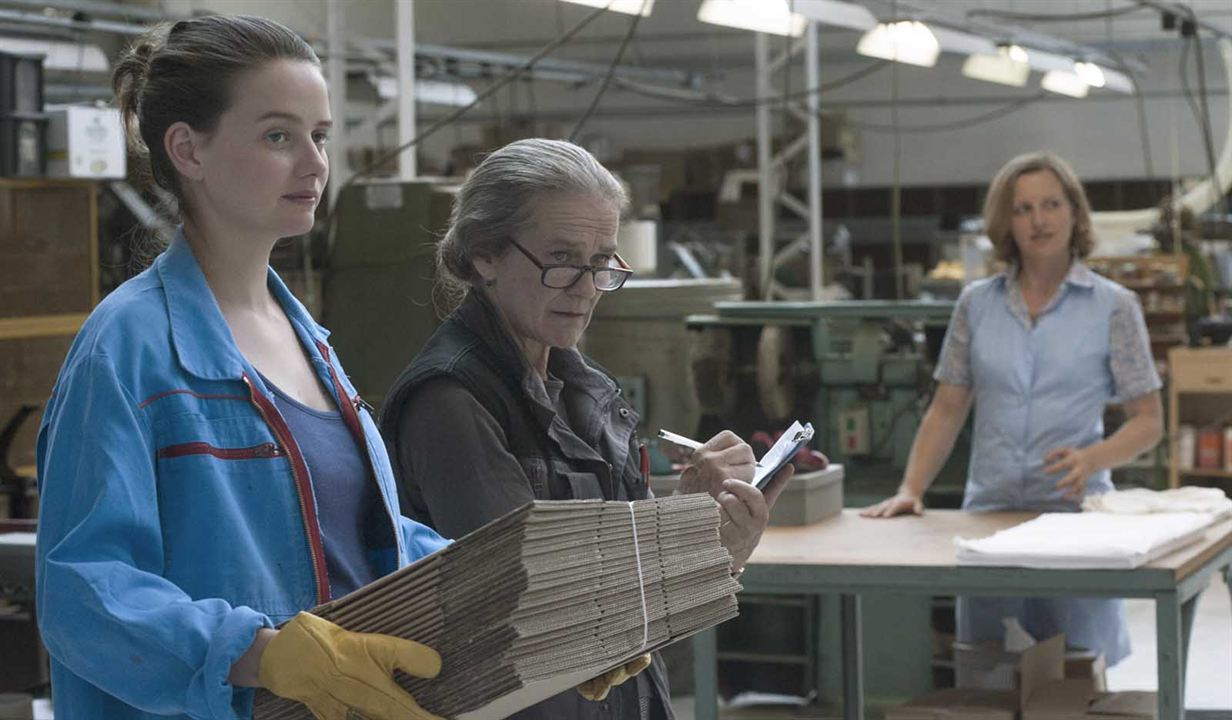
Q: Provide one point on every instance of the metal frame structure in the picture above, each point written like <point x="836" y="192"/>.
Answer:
<point x="772" y="168"/>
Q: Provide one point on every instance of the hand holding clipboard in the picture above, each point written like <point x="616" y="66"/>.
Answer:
<point x="788" y="444"/>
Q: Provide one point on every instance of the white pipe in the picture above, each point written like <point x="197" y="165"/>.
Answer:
<point x="335" y="25"/>
<point x="1200" y="198"/>
<point x="405" y="32"/>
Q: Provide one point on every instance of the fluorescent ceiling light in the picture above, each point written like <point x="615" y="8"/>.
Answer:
<point x="833" y="12"/>
<point x="1046" y="61"/>
<point x="629" y="7"/>
<point x="765" y="16"/>
<point x="956" y="41"/>
<point x="1010" y="66"/>
<point x="1090" y="73"/>
<point x="906" y="41"/>
<point x="432" y="92"/>
<point x="74" y="57"/>
<point x="1064" y="83"/>
<point x="1118" y="81"/>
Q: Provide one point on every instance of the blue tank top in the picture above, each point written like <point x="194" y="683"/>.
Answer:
<point x="347" y="501"/>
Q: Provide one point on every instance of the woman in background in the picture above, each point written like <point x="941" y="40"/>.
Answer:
<point x="1040" y="350"/>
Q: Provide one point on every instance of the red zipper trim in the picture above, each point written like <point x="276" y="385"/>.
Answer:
<point x="303" y="485"/>
<point x="264" y="450"/>
<point x="350" y="415"/>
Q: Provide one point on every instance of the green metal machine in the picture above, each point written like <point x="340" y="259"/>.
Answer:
<point x="860" y="370"/>
<point x="378" y="288"/>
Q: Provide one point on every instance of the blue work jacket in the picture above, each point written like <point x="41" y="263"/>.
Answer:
<point x="178" y="515"/>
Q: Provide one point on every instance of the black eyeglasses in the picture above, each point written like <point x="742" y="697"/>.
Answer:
<point x="562" y="276"/>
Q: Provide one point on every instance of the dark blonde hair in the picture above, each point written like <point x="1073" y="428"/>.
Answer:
<point x="999" y="205"/>
<point x="183" y="72"/>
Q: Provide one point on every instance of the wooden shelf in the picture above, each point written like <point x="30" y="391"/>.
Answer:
<point x="1203" y="377"/>
<point x="40" y="326"/>
<point x="1148" y="286"/>
<point x="1198" y="472"/>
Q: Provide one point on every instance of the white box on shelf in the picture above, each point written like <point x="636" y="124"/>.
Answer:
<point x="86" y="142"/>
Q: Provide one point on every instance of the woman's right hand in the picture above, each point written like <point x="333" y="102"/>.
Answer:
<point x="900" y="504"/>
<point x="337" y="673"/>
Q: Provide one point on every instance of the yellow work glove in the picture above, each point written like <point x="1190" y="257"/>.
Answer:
<point x="335" y="671"/>
<point x="597" y="688"/>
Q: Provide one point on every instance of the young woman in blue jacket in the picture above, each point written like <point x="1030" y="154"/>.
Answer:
<point x="207" y="470"/>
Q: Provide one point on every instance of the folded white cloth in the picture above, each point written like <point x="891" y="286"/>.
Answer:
<point x="1085" y="540"/>
<point x="1137" y="501"/>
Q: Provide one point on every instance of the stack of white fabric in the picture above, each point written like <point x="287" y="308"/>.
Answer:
<point x="1140" y="501"/>
<point x="1088" y="540"/>
<point x="545" y="598"/>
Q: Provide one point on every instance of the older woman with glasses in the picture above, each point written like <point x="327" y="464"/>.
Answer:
<point x="500" y="408"/>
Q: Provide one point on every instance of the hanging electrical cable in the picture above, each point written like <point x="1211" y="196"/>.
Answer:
<point x="1195" y="106"/>
<point x="1204" y="101"/>
<point x="607" y="77"/>
<point x="1140" y="103"/>
<point x="499" y="83"/>
<point x="1002" y="111"/>
<point x="703" y="98"/>
<point x="1052" y="17"/>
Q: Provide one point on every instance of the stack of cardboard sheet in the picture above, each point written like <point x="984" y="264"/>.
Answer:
<point x="545" y="598"/>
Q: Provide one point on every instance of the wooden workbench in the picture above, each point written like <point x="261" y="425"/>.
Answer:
<point x="850" y="556"/>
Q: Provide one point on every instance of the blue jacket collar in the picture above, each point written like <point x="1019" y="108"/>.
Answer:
<point x="202" y="340"/>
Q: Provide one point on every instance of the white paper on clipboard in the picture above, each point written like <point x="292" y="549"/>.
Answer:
<point x="788" y="444"/>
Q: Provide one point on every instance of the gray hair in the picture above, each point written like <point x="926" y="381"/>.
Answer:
<point x="497" y="201"/>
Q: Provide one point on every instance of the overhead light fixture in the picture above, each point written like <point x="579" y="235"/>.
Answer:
<point x="1090" y="73"/>
<point x="74" y="57"/>
<point x="431" y="92"/>
<point x="905" y="41"/>
<point x="629" y="7"/>
<point x="836" y="13"/>
<point x="1010" y="66"/>
<point x="1043" y="61"/>
<point x="963" y="43"/>
<point x="1118" y="81"/>
<point x="1064" y="82"/>
<point x="765" y="16"/>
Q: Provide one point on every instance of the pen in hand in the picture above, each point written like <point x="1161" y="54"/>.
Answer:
<point x="680" y="440"/>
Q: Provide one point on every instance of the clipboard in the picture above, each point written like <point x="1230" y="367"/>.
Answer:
<point x="788" y="444"/>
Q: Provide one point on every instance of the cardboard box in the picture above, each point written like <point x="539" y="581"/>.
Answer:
<point x="1129" y="705"/>
<point x="958" y="703"/>
<point x="989" y="666"/>
<point x="809" y="497"/>
<point x="1047" y="694"/>
<point x="1048" y="684"/>
<point x="86" y="142"/>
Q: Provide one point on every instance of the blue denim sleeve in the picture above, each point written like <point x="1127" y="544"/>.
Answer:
<point x="420" y="540"/>
<point x="105" y="612"/>
<point x="1129" y="350"/>
<point x="954" y="364"/>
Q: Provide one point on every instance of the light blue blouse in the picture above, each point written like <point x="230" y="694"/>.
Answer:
<point x="1042" y="385"/>
<point x="1039" y="386"/>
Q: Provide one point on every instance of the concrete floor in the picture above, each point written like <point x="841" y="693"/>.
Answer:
<point x="1209" y="685"/>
